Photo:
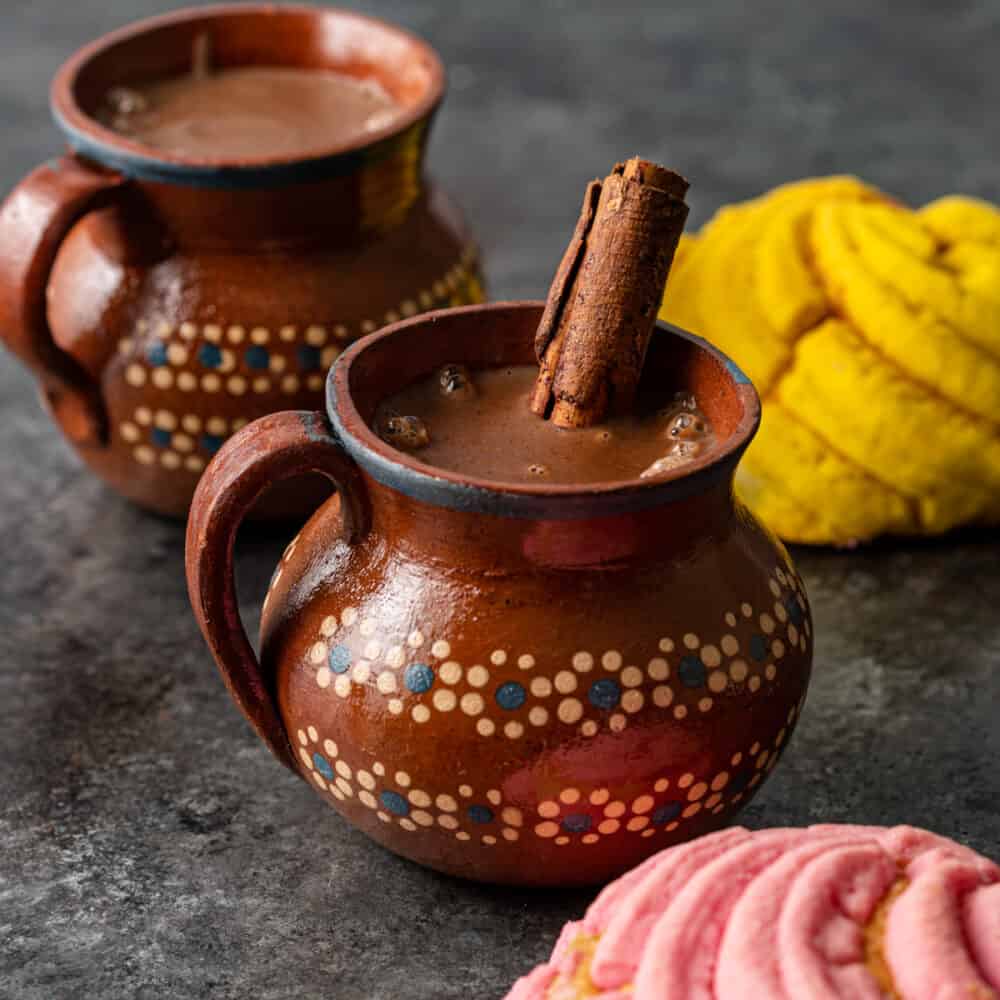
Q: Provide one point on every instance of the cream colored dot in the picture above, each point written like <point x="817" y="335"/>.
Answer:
<point x="547" y="829"/>
<point x="395" y="656"/>
<point x="662" y="696"/>
<point x="631" y="677"/>
<point x="130" y="432"/>
<point x="666" y="645"/>
<point x="211" y="382"/>
<point x="477" y="676"/>
<point x="367" y="799"/>
<point x="386" y="682"/>
<point x="569" y="796"/>
<point x="420" y="713"/>
<point x="378" y="768"/>
<point x="328" y="626"/>
<point x="290" y="383"/>
<point x="395" y="706"/>
<point x="277" y="364"/>
<point x="793" y="634"/>
<point x="415" y="639"/>
<point x="588" y="838"/>
<point x="288" y="333"/>
<point x="548" y="808"/>
<point x="541" y="687"/>
<point x="194" y="463"/>
<point x="337" y="793"/>
<point x="317" y="654"/>
<point x="444" y="700"/>
<point x="643" y="804"/>
<point x="303" y="738"/>
<point x="367" y="628"/>
<point x="717" y="681"/>
<point x="498" y="657"/>
<point x="212" y="332"/>
<point x="450" y="672"/>
<point x="730" y="645"/>
<point x="510" y="834"/>
<point x="177" y="354"/>
<point x="135" y="375"/>
<point x="512" y="816"/>
<point x="661" y="785"/>
<point x="538" y="716"/>
<point x="692" y="810"/>
<point x="182" y="442"/>
<point x="489" y="839"/>
<point x="372" y="649"/>
<point x="770" y="671"/>
<point x="611" y="660"/>
<point x="704" y="704"/>
<point x="632" y="701"/>
<point x="237" y="385"/>
<point x="608" y="826"/>
<point x="712" y="802"/>
<point x="780" y="738"/>
<point x="341" y="332"/>
<point x="615" y="809"/>
<point x="315" y="335"/>
<point x="306" y="758"/>
<point x="407" y="824"/>
<point x="766" y="623"/>
<point x="754" y="683"/>
<point x="163" y="378"/>
<point x="188" y="331"/>
<point x="637" y="823"/>
<point x="315" y="382"/>
<point x="738" y="670"/>
<point x="144" y="416"/>
<point x="617" y="722"/>
<point x="144" y="454"/>
<point x="216" y="425"/>
<point x="409" y="308"/>
<point x="762" y="759"/>
<point x="391" y="316"/>
<point x="448" y="822"/>
<point x="697" y="791"/>
<point x="472" y="703"/>
<point x="589" y="728"/>
<point x="349" y="616"/>
<point x="691" y="640"/>
<point x="710" y="656"/>
<point x="658" y="669"/>
<point x="525" y="661"/>
<point x="367" y="326"/>
<point x="461" y="835"/>
<point x="730" y="619"/>
<point x="323" y="677"/>
<point x="440" y="649"/>
<point x="565" y="682"/>
<point x="779" y="612"/>
<point x="319" y="781"/>
<point x="746" y="610"/>
<point x="775" y="589"/>
<point x="402" y="779"/>
<point x="165" y="420"/>
<point x="583" y="662"/>
<point x="485" y="727"/>
<point x="570" y="710"/>
<point x="419" y="798"/>
<point x="513" y="730"/>
<point x="170" y="460"/>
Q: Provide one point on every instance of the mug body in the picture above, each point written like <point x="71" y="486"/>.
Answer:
<point x="535" y="685"/>
<point x="198" y="295"/>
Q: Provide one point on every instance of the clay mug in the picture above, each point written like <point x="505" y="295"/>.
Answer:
<point x="537" y="684"/>
<point x="163" y="302"/>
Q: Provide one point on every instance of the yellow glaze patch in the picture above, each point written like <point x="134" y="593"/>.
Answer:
<point x="872" y="333"/>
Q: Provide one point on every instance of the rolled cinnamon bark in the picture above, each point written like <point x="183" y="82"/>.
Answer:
<point x="601" y="309"/>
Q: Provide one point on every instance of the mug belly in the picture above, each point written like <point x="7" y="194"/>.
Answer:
<point x="555" y="729"/>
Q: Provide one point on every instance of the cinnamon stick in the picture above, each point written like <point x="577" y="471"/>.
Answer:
<point x="601" y="310"/>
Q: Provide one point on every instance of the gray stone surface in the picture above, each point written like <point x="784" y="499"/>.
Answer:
<point x="149" y="847"/>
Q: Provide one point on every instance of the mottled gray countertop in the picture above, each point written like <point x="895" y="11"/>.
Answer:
<point x="149" y="845"/>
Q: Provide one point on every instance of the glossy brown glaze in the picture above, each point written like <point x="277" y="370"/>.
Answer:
<point x="530" y="684"/>
<point x="167" y="302"/>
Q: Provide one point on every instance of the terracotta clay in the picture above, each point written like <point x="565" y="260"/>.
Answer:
<point x="166" y="302"/>
<point x="537" y="684"/>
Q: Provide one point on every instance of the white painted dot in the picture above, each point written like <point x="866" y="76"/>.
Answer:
<point x="485" y="727"/>
<point x="441" y="648"/>
<point x="658" y="669"/>
<point x="611" y="660"/>
<point x="349" y="616"/>
<point x="570" y="710"/>
<point x="583" y="662"/>
<point x="342" y="685"/>
<point x="541" y="687"/>
<point x="317" y="654"/>
<point x="450" y="672"/>
<point x="565" y="682"/>
<point x="632" y="701"/>
<point x="415" y="639"/>
<point x="631" y="677"/>
<point x="444" y="700"/>
<point x="323" y="677"/>
<point x="472" y="703"/>
<point x="526" y="661"/>
<point x="498" y="657"/>
<point x="538" y="716"/>
<point x="420" y="713"/>
<point x="513" y="730"/>
<point x="477" y="676"/>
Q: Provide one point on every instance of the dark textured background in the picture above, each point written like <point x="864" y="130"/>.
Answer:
<point x="149" y="847"/>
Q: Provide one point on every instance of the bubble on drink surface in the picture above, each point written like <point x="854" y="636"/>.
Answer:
<point x="125" y="101"/>
<point x="687" y="426"/>
<point x="685" y="401"/>
<point x="680" y="454"/>
<point x="455" y="382"/>
<point x="603" y="436"/>
<point x="406" y="433"/>
<point x="537" y="469"/>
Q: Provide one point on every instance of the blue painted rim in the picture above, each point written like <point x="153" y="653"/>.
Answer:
<point x="441" y="488"/>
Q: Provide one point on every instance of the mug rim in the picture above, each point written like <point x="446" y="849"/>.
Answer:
<point x="403" y="472"/>
<point x="87" y="137"/>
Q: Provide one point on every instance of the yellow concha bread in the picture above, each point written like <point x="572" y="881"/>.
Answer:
<point x="872" y="333"/>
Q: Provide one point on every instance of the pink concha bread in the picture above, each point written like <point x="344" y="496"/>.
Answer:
<point x="820" y="913"/>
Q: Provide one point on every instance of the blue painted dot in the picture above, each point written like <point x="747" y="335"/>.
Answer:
<point x="211" y="443"/>
<point x="665" y="813"/>
<point x="156" y="354"/>
<point x="692" y="672"/>
<point x="160" y="437"/>
<point x="257" y="357"/>
<point x="480" y="814"/>
<point x="418" y="677"/>
<point x="323" y="766"/>
<point x="510" y="695"/>
<point x="210" y="355"/>
<point x="577" y="823"/>
<point x="794" y="609"/>
<point x="339" y="659"/>
<point x="395" y="803"/>
<point x="605" y="693"/>
<point x="309" y="357"/>
<point x="758" y="647"/>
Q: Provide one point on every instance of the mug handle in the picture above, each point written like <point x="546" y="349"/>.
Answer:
<point x="270" y="449"/>
<point x="34" y="219"/>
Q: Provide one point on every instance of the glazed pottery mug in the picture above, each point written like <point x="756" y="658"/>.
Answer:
<point x="537" y="684"/>
<point x="165" y="301"/>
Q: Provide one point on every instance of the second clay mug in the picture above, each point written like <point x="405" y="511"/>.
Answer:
<point x="538" y="684"/>
<point x="163" y="301"/>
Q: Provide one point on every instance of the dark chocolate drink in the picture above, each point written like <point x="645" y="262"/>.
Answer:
<point x="480" y="423"/>
<point x="250" y="112"/>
